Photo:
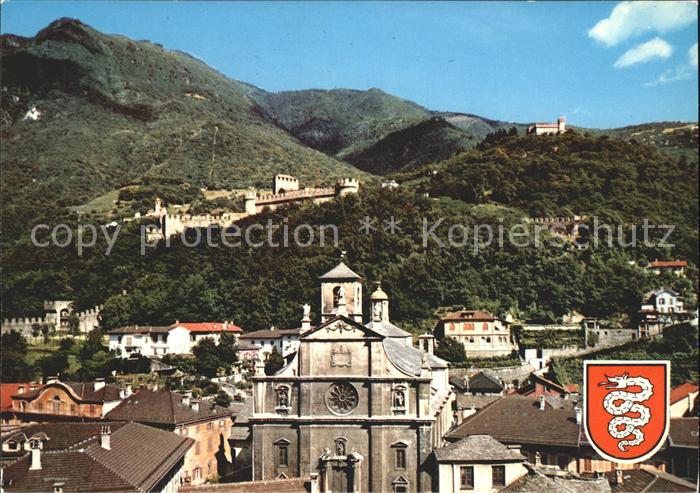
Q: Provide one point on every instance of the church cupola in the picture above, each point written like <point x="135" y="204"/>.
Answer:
<point x="341" y="293"/>
<point x="380" y="305"/>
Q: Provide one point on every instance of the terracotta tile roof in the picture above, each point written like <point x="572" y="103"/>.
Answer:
<point x="669" y="263"/>
<point x="62" y="435"/>
<point x="208" y="326"/>
<point x="84" y="391"/>
<point x="163" y="407"/>
<point x="476" y="448"/>
<point x="469" y="315"/>
<point x="684" y="432"/>
<point x="7" y="390"/>
<point x="516" y="419"/>
<point x="681" y="391"/>
<point x="270" y="334"/>
<point x="138" y="459"/>
<point x="636" y="480"/>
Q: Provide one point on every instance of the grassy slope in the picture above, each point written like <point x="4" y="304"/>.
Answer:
<point x="113" y="109"/>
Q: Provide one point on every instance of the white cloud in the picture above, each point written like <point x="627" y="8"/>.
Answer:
<point x="681" y="72"/>
<point x="644" y="52"/>
<point x="630" y="19"/>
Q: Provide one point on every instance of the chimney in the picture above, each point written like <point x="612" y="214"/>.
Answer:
<point x="105" y="441"/>
<point x="542" y="403"/>
<point x="35" y="464"/>
<point x="186" y="398"/>
<point x="58" y="487"/>
<point x="306" y="318"/>
<point x="578" y="415"/>
<point x="259" y="368"/>
<point x="195" y="406"/>
<point x="619" y="479"/>
<point x="20" y="389"/>
<point x="99" y="383"/>
<point x="51" y="379"/>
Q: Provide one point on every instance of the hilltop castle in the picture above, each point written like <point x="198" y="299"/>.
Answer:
<point x="548" y="128"/>
<point x="57" y="317"/>
<point x="285" y="191"/>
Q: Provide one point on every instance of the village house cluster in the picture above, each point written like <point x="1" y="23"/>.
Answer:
<point x="358" y="405"/>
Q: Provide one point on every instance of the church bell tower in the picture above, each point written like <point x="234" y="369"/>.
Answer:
<point x="341" y="293"/>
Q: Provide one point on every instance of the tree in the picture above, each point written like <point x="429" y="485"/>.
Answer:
<point x="222" y="399"/>
<point x="207" y="360"/>
<point x="14" y="366"/>
<point x="274" y="362"/>
<point x="54" y="364"/>
<point x="450" y="350"/>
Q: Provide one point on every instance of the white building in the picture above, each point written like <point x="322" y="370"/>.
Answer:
<point x="548" y="128"/>
<point x="178" y="338"/>
<point x="285" y="341"/>
<point x="659" y="309"/>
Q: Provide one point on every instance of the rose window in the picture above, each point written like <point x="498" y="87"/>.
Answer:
<point x="342" y="398"/>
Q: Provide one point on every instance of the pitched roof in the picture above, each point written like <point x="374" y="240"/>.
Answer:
<point x="477" y="448"/>
<point x="142" y="329"/>
<point x="483" y="382"/>
<point x="669" y="263"/>
<point x="536" y="482"/>
<point x="684" y="432"/>
<point x="84" y="391"/>
<point x="163" y="407"/>
<point x="270" y="334"/>
<point x="476" y="315"/>
<point x="638" y="480"/>
<point x="292" y="485"/>
<point x="208" y="326"/>
<point x="408" y="358"/>
<point x="340" y="271"/>
<point x="7" y="390"/>
<point x="475" y="401"/>
<point x="138" y="459"/>
<point x="681" y="391"/>
<point x="517" y="419"/>
<point x="61" y="435"/>
<point x="387" y="329"/>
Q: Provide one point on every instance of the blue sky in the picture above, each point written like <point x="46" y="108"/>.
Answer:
<point x="600" y="64"/>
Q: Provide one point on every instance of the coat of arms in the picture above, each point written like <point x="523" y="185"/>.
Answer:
<point x="626" y="410"/>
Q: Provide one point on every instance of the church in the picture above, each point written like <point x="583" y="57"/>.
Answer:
<point x="357" y="405"/>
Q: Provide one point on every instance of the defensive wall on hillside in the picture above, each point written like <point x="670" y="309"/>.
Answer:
<point x="57" y="314"/>
<point x="287" y="192"/>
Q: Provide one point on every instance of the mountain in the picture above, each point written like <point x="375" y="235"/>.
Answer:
<point x="84" y="113"/>
<point x="373" y="130"/>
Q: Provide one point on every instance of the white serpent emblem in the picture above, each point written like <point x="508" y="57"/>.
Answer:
<point x="620" y="402"/>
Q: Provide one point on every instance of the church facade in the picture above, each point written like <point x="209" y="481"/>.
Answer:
<point x="357" y="405"/>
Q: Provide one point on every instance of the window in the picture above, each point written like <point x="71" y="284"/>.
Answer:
<point x="40" y="406"/>
<point x="400" y="458"/>
<point x="587" y="465"/>
<point x="196" y="448"/>
<point x="72" y="408"/>
<point x="466" y="478"/>
<point x="210" y="425"/>
<point x="282" y="455"/>
<point x="210" y="444"/>
<point x="92" y="409"/>
<point x="222" y="423"/>
<point x="197" y="472"/>
<point x="498" y="475"/>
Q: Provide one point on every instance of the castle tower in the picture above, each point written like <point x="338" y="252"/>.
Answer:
<point x="250" y="198"/>
<point x="341" y="282"/>
<point x="159" y="209"/>
<point x="561" y="123"/>
<point x="380" y="305"/>
<point x="346" y="186"/>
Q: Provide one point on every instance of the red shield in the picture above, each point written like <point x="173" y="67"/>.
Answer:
<point x="626" y="407"/>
